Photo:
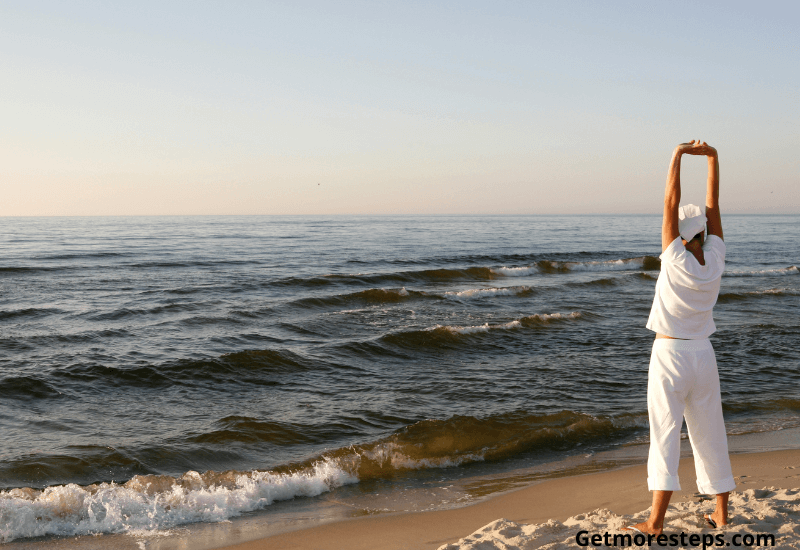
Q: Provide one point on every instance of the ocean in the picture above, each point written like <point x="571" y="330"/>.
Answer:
<point x="163" y="371"/>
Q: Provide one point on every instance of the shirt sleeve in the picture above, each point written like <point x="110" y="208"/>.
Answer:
<point x="673" y="251"/>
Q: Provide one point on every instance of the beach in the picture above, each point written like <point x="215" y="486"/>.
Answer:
<point x="391" y="275"/>
<point x="595" y="502"/>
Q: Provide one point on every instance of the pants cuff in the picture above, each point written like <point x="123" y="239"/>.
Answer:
<point x="716" y="487"/>
<point x="664" y="483"/>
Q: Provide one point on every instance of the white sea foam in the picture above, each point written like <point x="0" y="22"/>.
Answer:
<point x="516" y="271"/>
<point x="136" y="507"/>
<point x="549" y="316"/>
<point x="487" y="292"/>
<point x="357" y="310"/>
<point x="610" y="265"/>
<point x="544" y="267"/>
<point x="517" y="323"/>
<point x="789" y="291"/>
<point x="791" y="270"/>
<point x="476" y="328"/>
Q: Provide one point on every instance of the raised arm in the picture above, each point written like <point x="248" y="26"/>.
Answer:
<point x="712" y="194"/>
<point x="672" y="197"/>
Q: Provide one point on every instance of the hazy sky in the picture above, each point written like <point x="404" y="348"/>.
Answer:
<point x="166" y="107"/>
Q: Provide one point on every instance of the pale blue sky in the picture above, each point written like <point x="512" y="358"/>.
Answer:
<point x="390" y="108"/>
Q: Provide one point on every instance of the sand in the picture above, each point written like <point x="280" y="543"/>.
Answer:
<point x="550" y="514"/>
<point x="758" y="512"/>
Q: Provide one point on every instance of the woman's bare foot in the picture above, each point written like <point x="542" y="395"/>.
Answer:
<point x="720" y="515"/>
<point x="718" y="518"/>
<point x="645" y="527"/>
<point x="655" y="523"/>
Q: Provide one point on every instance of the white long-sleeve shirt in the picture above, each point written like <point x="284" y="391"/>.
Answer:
<point x="687" y="291"/>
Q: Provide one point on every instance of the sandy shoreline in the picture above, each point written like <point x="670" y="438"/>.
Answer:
<point x="622" y="492"/>
<point x="544" y="513"/>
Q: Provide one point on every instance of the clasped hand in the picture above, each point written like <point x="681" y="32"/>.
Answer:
<point x="696" y="147"/>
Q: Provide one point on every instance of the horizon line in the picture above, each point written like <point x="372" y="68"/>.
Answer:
<point x="371" y="215"/>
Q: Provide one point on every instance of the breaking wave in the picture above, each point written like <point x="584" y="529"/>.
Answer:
<point x="649" y="263"/>
<point x="156" y="502"/>
<point x="529" y="321"/>
<point x="150" y="502"/>
<point x="490" y="292"/>
<point x="451" y="334"/>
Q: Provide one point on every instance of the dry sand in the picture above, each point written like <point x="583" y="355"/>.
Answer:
<point x="550" y="514"/>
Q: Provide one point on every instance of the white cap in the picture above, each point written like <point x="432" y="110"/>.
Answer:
<point x="691" y="221"/>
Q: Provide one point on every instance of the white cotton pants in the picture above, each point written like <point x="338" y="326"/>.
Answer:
<point x="683" y="382"/>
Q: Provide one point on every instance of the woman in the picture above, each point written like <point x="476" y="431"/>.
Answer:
<point x="683" y="380"/>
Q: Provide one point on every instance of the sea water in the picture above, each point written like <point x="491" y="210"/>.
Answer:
<point x="159" y="371"/>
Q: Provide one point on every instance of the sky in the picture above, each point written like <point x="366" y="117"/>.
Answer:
<point x="174" y="108"/>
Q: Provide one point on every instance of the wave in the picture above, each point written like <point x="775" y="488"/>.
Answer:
<point x="451" y="334"/>
<point x="362" y="297"/>
<point x="377" y="296"/>
<point x="190" y="263"/>
<point x="461" y="259"/>
<point x="25" y="387"/>
<point x="791" y="270"/>
<point x="44" y="340"/>
<point x="32" y="269"/>
<point x="123" y="313"/>
<point x="529" y="321"/>
<point x="649" y="263"/>
<point x="462" y="439"/>
<point x="490" y="292"/>
<point x="725" y="297"/>
<point x="608" y="281"/>
<point x="202" y="320"/>
<point x="151" y="503"/>
<point x="474" y="273"/>
<point x="82" y="255"/>
<point x="28" y="312"/>
<point x="781" y="404"/>
<point x="403" y="277"/>
<point x="156" y="502"/>
<point x="244" y="367"/>
<point x="458" y="440"/>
